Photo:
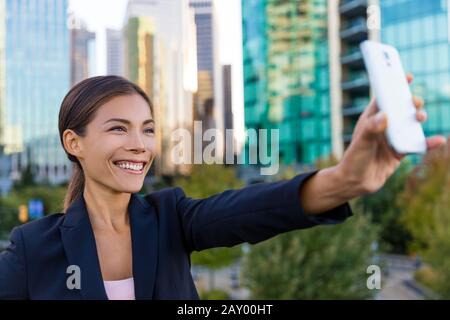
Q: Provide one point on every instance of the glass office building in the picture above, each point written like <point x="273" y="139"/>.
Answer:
<point x="286" y="75"/>
<point x="161" y="58"/>
<point x="420" y="31"/>
<point x="354" y="85"/>
<point x="204" y="33"/>
<point x="35" y="76"/>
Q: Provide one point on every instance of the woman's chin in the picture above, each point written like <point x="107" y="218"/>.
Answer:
<point x="130" y="188"/>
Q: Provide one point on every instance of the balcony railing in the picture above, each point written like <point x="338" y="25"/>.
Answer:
<point x="352" y="58"/>
<point x="347" y="137"/>
<point x="353" y="109"/>
<point x="354" y="30"/>
<point x="355" y="80"/>
<point x="352" y="7"/>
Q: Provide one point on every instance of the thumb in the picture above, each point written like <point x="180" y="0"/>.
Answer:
<point x="376" y="124"/>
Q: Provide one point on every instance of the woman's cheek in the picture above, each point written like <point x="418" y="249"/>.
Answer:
<point x="151" y="145"/>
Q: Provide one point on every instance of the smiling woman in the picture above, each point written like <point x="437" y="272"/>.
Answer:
<point x="111" y="243"/>
<point x="119" y="141"/>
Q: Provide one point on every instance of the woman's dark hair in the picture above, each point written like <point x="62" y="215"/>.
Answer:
<point x="78" y="109"/>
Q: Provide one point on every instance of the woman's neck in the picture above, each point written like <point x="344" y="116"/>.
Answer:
<point x="107" y="210"/>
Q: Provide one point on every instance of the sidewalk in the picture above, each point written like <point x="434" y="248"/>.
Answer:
<point x="398" y="282"/>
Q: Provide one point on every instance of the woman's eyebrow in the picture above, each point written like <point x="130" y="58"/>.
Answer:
<point x="128" y="121"/>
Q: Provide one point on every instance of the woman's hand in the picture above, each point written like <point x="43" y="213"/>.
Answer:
<point x="366" y="165"/>
<point x="369" y="161"/>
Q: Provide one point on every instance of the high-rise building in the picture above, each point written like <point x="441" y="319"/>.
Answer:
<point x="350" y="22"/>
<point x="204" y="28"/>
<point x="161" y="56"/>
<point x="82" y="51"/>
<point x="5" y="172"/>
<point x="34" y="77"/>
<point x="420" y="31"/>
<point x="286" y="75"/>
<point x="114" y="52"/>
<point x="228" y="107"/>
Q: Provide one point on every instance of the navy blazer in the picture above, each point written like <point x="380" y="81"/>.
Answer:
<point x="166" y="226"/>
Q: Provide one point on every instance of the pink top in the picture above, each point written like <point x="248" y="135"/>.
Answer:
<point x="120" y="289"/>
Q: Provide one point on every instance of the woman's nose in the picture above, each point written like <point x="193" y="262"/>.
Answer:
<point x="136" y="142"/>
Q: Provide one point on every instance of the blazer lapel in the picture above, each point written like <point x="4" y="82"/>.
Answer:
<point x="144" y="237"/>
<point x="79" y="245"/>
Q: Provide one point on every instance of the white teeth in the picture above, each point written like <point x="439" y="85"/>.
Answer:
<point x="132" y="166"/>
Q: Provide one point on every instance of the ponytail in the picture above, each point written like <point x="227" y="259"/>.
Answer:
<point x="76" y="186"/>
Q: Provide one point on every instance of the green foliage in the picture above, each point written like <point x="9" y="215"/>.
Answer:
<point x="215" y="294"/>
<point x="207" y="180"/>
<point x="319" y="263"/>
<point x="385" y="209"/>
<point x="27" y="179"/>
<point x="426" y="200"/>
<point x="216" y="258"/>
<point x="324" y="262"/>
<point x="52" y="198"/>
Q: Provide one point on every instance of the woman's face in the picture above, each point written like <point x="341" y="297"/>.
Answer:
<point x="119" y="146"/>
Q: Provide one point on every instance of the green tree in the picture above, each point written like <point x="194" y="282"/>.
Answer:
<point x="324" y="262"/>
<point x="52" y="198"/>
<point x="426" y="202"/>
<point x="27" y="179"/>
<point x="205" y="181"/>
<point x="385" y="209"/>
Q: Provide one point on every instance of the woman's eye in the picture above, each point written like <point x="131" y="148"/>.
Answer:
<point x="149" y="130"/>
<point x="117" y="129"/>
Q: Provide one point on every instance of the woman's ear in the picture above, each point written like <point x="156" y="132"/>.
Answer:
<point x="72" y="143"/>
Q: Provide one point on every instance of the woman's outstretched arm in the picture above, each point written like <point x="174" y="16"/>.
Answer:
<point x="251" y="214"/>
<point x="256" y="213"/>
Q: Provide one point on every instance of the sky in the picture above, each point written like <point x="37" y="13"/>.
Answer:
<point x="97" y="19"/>
<point x="102" y="14"/>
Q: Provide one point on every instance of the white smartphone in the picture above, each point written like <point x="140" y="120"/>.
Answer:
<point x="391" y="89"/>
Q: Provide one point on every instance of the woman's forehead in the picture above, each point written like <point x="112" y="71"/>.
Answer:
<point x="131" y="107"/>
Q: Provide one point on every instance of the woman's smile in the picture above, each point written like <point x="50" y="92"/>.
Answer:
<point x="130" y="166"/>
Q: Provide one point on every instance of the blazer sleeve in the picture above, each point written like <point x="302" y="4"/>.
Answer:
<point x="13" y="277"/>
<point x="251" y="214"/>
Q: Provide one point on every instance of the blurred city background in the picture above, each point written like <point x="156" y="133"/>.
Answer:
<point x="292" y="65"/>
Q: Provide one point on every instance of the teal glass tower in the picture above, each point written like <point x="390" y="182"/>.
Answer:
<point x="286" y="75"/>
<point x="420" y="31"/>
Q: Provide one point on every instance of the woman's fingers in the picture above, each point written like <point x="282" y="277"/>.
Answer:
<point x="409" y="77"/>
<point x="421" y="116"/>
<point x="371" y="109"/>
<point x="418" y="102"/>
<point x="435" y="142"/>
